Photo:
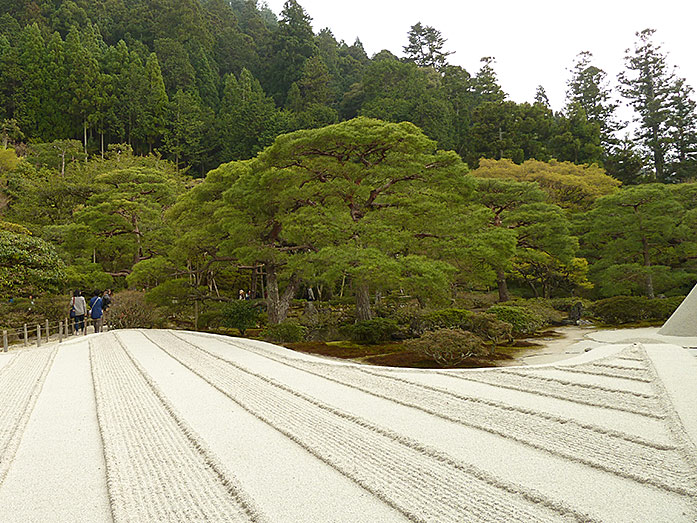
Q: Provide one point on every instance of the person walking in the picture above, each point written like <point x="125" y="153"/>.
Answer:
<point x="106" y="302"/>
<point x="96" y="311"/>
<point x="78" y="310"/>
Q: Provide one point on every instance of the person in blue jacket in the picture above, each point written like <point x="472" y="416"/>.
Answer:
<point x="96" y="311"/>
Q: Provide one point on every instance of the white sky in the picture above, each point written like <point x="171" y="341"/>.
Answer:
<point x="534" y="41"/>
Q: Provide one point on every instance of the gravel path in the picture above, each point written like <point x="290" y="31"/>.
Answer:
<point x="176" y="426"/>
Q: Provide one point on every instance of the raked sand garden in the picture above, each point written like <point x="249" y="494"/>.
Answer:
<point x="155" y="425"/>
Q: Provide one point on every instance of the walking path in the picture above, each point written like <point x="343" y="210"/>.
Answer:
<point x="146" y="425"/>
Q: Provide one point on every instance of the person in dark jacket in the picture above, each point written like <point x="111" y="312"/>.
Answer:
<point x="96" y="311"/>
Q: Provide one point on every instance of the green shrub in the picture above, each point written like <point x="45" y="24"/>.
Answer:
<point x="128" y="310"/>
<point x="410" y="320"/>
<point x="522" y="319"/>
<point x="285" y="332"/>
<point x="543" y="309"/>
<point x="489" y="327"/>
<point x="448" y="347"/>
<point x="628" y="309"/>
<point x="446" y="319"/>
<point x="370" y="332"/>
<point x="240" y="315"/>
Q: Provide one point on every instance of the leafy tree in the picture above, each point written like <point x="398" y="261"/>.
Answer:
<point x="126" y="216"/>
<point x="339" y="198"/>
<point x="568" y="185"/>
<point x="28" y="265"/>
<point x="425" y="47"/>
<point x="632" y="237"/>
<point x="519" y="214"/>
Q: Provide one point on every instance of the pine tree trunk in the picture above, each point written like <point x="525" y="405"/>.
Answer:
<point x="278" y="304"/>
<point x="503" y="286"/>
<point x="363" y="310"/>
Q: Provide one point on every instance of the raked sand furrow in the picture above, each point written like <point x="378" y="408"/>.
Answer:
<point x="640" y="375"/>
<point x="20" y="385"/>
<point x="536" y="382"/>
<point x="655" y="463"/>
<point x="155" y="469"/>
<point x="422" y="483"/>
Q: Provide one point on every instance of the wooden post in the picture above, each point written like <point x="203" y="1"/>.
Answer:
<point x="47" y="333"/>
<point x="60" y="331"/>
<point x="4" y="340"/>
<point x="67" y="327"/>
<point x="26" y="335"/>
<point x="38" y="335"/>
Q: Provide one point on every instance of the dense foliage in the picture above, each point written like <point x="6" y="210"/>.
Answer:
<point x="190" y="149"/>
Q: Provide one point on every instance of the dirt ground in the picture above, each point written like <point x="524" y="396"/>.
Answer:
<point x="556" y="344"/>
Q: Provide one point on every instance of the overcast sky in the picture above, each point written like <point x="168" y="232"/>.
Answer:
<point x="534" y="41"/>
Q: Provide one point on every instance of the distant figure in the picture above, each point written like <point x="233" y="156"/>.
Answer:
<point x="78" y="310"/>
<point x="241" y="295"/>
<point x="247" y="296"/>
<point x="106" y="302"/>
<point x="96" y="311"/>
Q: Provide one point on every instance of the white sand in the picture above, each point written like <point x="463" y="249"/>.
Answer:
<point x="198" y="426"/>
<point x="58" y="472"/>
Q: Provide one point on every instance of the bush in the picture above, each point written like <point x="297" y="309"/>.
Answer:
<point x="129" y="310"/>
<point x="370" y="332"/>
<point x="410" y="320"/>
<point x="627" y="309"/>
<point x="489" y="327"/>
<point x="522" y="319"/>
<point x="240" y="315"/>
<point x="287" y="331"/>
<point x="447" y="319"/>
<point x="448" y="347"/>
<point x="542" y="308"/>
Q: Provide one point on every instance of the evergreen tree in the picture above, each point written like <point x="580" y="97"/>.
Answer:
<point x="30" y="89"/>
<point x="588" y="88"/>
<point x="486" y="85"/>
<point x="425" y="47"/>
<point x="248" y="118"/>
<point x="82" y="82"/>
<point x="293" y="44"/>
<point x="541" y="97"/>
<point x="646" y="84"/>
<point x="682" y="122"/>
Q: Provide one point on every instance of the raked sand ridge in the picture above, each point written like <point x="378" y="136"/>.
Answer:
<point x="147" y="425"/>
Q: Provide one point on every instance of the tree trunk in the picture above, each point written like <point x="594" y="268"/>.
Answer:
<point x="503" y="286"/>
<point x="363" y="310"/>
<point x="278" y="305"/>
<point x="84" y="135"/>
